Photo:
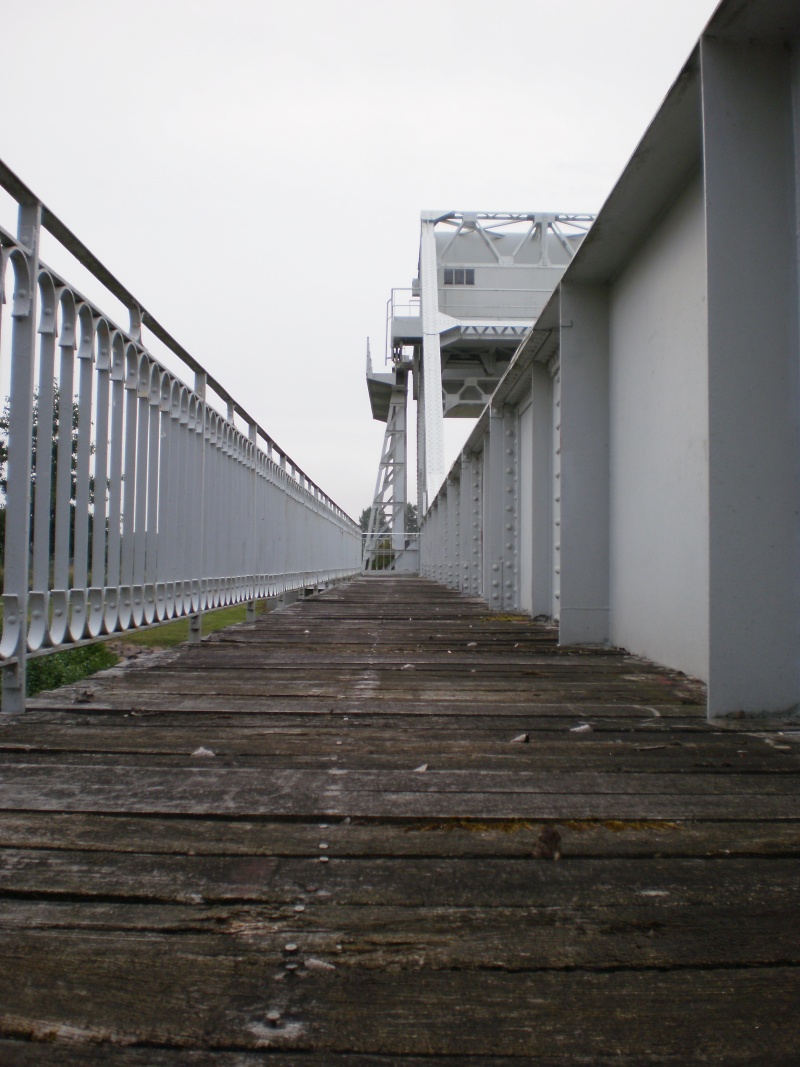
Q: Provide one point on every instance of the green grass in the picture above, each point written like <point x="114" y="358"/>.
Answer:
<point x="63" y="668"/>
<point x="170" y="634"/>
<point x="73" y="664"/>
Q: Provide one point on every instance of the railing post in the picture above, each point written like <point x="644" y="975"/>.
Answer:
<point x="250" y="614"/>
<point x="196" y="620"/>
<point x="20" y="433"/>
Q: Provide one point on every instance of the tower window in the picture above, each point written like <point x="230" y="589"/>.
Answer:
<point x="459" y="276"/>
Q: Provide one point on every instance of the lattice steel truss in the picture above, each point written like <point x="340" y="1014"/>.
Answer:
<point x="386" y="532"/>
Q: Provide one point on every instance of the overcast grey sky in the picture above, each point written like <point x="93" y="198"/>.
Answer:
<point x="254" y="171"/>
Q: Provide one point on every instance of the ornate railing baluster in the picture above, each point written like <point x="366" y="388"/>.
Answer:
<point x="25" y="265"/>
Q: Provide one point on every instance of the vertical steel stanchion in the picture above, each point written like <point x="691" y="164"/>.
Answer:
<point x="25" y="261"/>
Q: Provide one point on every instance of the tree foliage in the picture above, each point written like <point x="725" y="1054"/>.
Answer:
<point x="46" y="439"/>
<point x="411" y="522"/>
<point x="43" y="443"/>
<point x="63" y="668"/>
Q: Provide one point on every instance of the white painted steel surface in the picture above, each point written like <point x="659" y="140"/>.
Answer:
<point x="582" y="465"/>
<point x="150" y="505"/>
<point x="555" y="489"/>
<point x="526" y="506"/>
<point x="658" y="385"/>
<point x="430" y="435"/>
<point x="657" y="397"/>
<point x="751" y="157"/>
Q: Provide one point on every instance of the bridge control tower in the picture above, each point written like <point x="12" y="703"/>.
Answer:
<point x="484" y="278"/>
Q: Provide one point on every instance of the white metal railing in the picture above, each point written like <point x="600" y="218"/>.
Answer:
<point x="129" y="499"/>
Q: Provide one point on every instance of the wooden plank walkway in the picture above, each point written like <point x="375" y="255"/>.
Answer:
<point x="332" y="837"/>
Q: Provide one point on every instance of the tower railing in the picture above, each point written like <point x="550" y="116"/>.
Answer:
<point x="403" y="303"/>
<point x="129" y="498"/>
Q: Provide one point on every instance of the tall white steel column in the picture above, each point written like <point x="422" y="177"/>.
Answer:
<point x="430" y="415"/>
<point x="554" y="370"/>
<point x="583" y="454"/>
<point x="535" y="493"/>
<point x="492" y="509"/>
<point x="751" y="137"/>
<point x="500" y="509"/>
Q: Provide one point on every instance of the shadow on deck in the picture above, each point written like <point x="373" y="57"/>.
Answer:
<point x="331" y="837"/>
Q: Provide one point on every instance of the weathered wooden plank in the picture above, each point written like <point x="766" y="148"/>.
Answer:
<point x="292" y="697"/>
<point x="233" y="790"/>
<point x="23" y="1054"/>
<point x="101" y="732"/>
<point x="250" y="711"/>
<point x="38" y="1054"/>
<point x="138" y="993"/>
<point x="368" y="752"/>
<point x="184" y="774"/>
<point x="378" y="937"/>
<point x="412" y="675"/>
<point x="410" y="881"/>
<point x="79" y="831"/>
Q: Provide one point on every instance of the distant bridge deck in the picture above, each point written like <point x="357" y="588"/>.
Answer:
<point x="362" y="871"/>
